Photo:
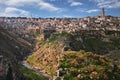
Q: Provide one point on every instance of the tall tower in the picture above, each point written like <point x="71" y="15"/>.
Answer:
<point x="103" y="12"/>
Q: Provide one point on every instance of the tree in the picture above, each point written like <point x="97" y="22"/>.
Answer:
<point x="9" y="75"/>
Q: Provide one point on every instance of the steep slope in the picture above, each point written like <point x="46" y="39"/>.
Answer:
<point x="99" y="42"/>
<point x="55" y="58"/>
<point x="115" y="55"/>
<point x="83" y="65"/>
<point x="46" y="57"/>
<point x="11" y="43"/>
<point x="12" y="50"/>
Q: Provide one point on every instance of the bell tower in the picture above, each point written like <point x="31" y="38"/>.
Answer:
<point x="103" y="12"/>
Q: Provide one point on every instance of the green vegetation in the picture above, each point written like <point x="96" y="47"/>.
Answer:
<point x="30" y="74"/>
<point x="111" y="32"/>
<point x="9" y="73"/>
<point x="80" y="65"/>
<point x="46" y="57"/>
<point x="31" y="60"/>
<point x="37" y="35"/>
<point x="116" y="42"/>
<point x="115" y="55"/>
<point x="55" y="37"/>
<point x="94" y="44"/>
<point x="88" y="66"/>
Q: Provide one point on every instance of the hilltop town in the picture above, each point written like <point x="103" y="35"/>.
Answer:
<point x="24" y="25"/>
<point x="60" y="47"/>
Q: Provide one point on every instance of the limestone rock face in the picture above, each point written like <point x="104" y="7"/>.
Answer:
<point x="12" y="50"/>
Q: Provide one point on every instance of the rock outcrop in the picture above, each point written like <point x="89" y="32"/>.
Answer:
<point x="12" y="50"/>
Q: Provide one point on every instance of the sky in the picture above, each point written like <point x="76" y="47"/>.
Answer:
<point x="58" y="8"/>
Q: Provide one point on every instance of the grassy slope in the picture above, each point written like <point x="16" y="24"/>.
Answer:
<point x="30" y="74"/>
<point x="88" y="66"/>
<point x="79" y="63"/>
<point x="47" y="56"/>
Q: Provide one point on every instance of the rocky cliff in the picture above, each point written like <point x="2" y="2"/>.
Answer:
<point x="12" y="50"/>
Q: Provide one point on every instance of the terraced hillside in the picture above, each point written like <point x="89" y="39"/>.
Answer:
<point x="56" y="57"/>
<point x="87" y="66"/>
<point x="46" y="57"/>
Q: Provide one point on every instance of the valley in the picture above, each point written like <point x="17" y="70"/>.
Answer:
<point x="60" y="48"/>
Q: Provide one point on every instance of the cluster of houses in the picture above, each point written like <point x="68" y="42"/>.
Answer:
<point x="30" y="26"/>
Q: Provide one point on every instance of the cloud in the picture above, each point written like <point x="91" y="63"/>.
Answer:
<point x="15" y="7"/>
<point x="48" y="6"/>
<point x="36" y="3"/>
<point x="107" y="3"/>
<point x="16" y="10"/>
<point x="115" y="5"/>
<point x="92" y="10"/>
<point x="11" y="11"/>
<point x="87" y="10"/>
<point x="74" y="3"/>
<point x="16" y="2"/>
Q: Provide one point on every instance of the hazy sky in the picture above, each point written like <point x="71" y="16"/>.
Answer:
<point x="58" y="8"/>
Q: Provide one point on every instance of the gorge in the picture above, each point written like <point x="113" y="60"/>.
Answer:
<point x="63" y="48"/>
